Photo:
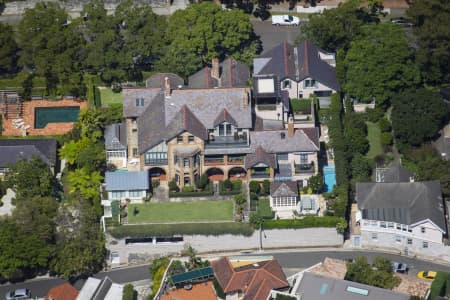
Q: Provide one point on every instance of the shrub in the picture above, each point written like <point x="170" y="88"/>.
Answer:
<point x="301" y="106"/>
<point x="385" y="125"/>
<point x="188" y="189"/>
<point x="254" y="187"/>
<point x="236" y="187"/>
<point x="128" y="292"/>
<point x="202" y="181"/>
<point x="148" y="230"/>
<point x="228" y="185"/>
<point x="265" y="187"/>
<point x="155" y="183"/>
<point x="173" y="186"/>
<point x="386" y="139"/>
<point x="307" y="222"/>
<point x="440" y="285"/>
<point x="374" y="115"/>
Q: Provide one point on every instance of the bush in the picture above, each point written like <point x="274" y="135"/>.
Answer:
<point x="148" y="230"/>
<point x="265" y="188"/>
<point x="227" y="185"/>
<point x="236" y="187"/>
<point x="202" y="181"/>
<point x="307" y="222"/>
<point x="129" y="293"/>
<point x="385" y="125"/>
<point x="386" y="139"/>
<point x="440" y="285"/>
<point x="301" y="106"/>
<point x="188" y="189"/>
<point x="254" y="187"/>
<point x="173" y="186"/>
<point x="374" y="115"/>
<point x="155" y="183"/>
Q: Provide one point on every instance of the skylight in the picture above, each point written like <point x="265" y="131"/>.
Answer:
<point x="358" y="291"/>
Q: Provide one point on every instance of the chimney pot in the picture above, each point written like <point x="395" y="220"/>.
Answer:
<point x="167" y="90"/>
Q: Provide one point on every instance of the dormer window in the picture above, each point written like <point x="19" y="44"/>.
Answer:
<point x="225" y="129"/>
<point x="139" y="101"/>
<point x="286" y="84"/>
<point x="180" y="139"/>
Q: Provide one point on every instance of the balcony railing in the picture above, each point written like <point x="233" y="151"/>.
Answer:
<point x="226" y="142"/>
<point x="304" y="168"/>
<point x="155" y="162"/>
<point x="260" y="175"/>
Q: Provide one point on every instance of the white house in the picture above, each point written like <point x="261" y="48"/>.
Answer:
<point x="127" y="185"/>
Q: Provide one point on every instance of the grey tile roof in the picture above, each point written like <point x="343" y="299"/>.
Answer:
<point x="296" y="63"/>
<point x="274" y="142"/>
<point x="260" y="156"/>
<point x="232" y="74"/>
<point x="126" y="181"/>
<point x="158" y="80"/>
<point x="12" y="154"/>
<point x="396" y="173"/>
<point x="266" y="124"/>
<point x="47" y="147"/>
<point x="116" y="137"/>
<point x="129" y="100"/>
<point x="194" y="111"/>
<point x="401" y="202"/>
<point x="224" y="117"/>
<point x="284" y="189"/>
<point x="314" y="287"/>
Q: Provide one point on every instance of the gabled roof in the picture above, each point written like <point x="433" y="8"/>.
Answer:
<point x="255" y="281"/>
<point x="396" y="173"/>
<point x="63" y="291"/>
<point x="11" y="149"/>
<point x="116" y="137"/>
<point x="194" y="111"/>
<point x="260" y="156"/>
<point x="126" y="181"/>
<point x="224" y="116"/>
<point x="232" y="74"/>
<point x="130" y="109"/>
<point x="278" y="141"/>
<point x="158" y="80"/>
<point x="296" y="63"/>
<point x="283" y="189"/>
<point x="402" y="202"/>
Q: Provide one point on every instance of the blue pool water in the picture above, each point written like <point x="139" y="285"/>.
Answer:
<point x="329" y="177"/>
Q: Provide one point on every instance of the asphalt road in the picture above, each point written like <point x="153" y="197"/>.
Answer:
<point x="273" y="35"/>
<point x="290" y="261"/>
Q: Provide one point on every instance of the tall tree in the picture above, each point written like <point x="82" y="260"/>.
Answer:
<point x="204" y="31"/>
<point x="378" y="65"/>
<point x="432" y="29"/>
<point x="8" y="50"/>
<point x="417" y="116"/>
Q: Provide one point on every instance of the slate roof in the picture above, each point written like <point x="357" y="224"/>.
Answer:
<point x="401" y="202"/>
<point x="284" y="189"/>
<point x="260" y="156"/>
<point x="304" y="140"/>
<point x="296" y="63"/>
<point x="157" y="81"/>
<point x="129" y="100"/>
<point x="12" y="150"/>
<point x="126" y="181"/>
<point x="116" y="137"/>
<point x="194" y="111"/>
<point x="63" y="291"/>
<point x="232" y="74"/>
<point x="313" y="286"/>
<point x="396" y="173"/>
<point x="267" y="124"/>
<point x="255" y="281"/>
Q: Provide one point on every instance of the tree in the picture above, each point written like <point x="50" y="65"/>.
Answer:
<point x="316" y="183"/>
<point x="202" y="182"/>
<point x="85" y="184"/>
<point x="432" y="29"/>
<point x="31" y="178"/>
<point x="128" y="292"/>
<point x="254" y="187"/>
<point x="8" y="50"/>
<point x="361" y="168"/>
<point x="204" y="31"/>
<point x="379" y="274"/>
<point x="378" y="65"/>
<point x="417" y="116"/>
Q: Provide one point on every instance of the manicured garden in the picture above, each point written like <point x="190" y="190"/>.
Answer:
<point x="199" y="211"/>
<point x="108" y="97"/>
<point x="374" y="137"/>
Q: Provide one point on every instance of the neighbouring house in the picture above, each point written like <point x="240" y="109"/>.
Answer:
<point x="311" y="286"/>
<point x="13" y="150"/>
<point x="134" y="186"/>
<point x="250" y="282"/>
<point x="284" y="198"/>
<point x="63" y="291"/>
<point x="228" y="74"/>
<point x="288" y="72"/>
<point x="407" y="216"/>
<point x="116" y="145"/>
<point x="100" y="289"/>
<point x="442" y="144"/>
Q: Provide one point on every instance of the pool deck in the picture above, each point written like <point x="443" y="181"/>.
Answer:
<point x="28" y="119"/>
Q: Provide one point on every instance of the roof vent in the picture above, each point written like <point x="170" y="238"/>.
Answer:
<point x="282" y="135"/>
<point x="256" y="265"/>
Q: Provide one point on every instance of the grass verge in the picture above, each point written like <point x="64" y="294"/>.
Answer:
<point x="108" y="97"/>
<point x="373" y="135"/>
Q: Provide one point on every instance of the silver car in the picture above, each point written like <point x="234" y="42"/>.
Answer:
<point x="18" y="294"/>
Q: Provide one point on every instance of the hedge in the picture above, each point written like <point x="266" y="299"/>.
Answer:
<point x="301" y="105"/>
<point x="307" y="222"/>
<point x="440" y="285"/>
<point x="190" y="194"/>
<point x="148" y="230"/>
<point x="237" y="188"/>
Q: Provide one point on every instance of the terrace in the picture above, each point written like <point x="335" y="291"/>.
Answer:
<point x="227" y="142"/>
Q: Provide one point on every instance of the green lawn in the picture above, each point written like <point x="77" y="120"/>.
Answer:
<point x="182" y="212"/>
<point x="373" y="135"/>
<point x="108" y="97"/>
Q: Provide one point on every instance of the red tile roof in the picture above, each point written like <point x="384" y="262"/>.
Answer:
<point x="62" y="292"/>
<point x="255" y="281"/>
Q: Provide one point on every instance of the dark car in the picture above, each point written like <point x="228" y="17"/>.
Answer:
<point x="21" y="294"/>
<point x="399" y="267"/>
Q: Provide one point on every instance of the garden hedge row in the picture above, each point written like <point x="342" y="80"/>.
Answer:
<point x="190" y="194"/>
<point x="149" y="230"/>
<point x="307" y="222"/>
<point x="237" y="188"/>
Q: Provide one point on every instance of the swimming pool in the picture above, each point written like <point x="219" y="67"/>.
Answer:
<point x="329" y="177"/>
<point x="61" y="114"/>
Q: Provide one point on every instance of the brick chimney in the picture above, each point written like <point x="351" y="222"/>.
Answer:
<point x="291" y="129"/>
<point x="215" y="72"/>
<point x="245" y="100"/>
<point x="167" y="90"/>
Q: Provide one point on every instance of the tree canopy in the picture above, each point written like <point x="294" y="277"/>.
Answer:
<point x="378" y="65"/>
<point x="417" y="116"/>
<point x="432" y="29"/>
<point x="8" y="50"/>
<point x="379" y="275"/>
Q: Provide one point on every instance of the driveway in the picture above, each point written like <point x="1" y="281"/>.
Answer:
<point x="7" y="207"/>
<point x="273" y="35"/>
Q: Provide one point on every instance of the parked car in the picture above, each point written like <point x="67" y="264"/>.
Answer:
<point x="427" y="274"/>
<point x="399" y="267"/>
<point x="18" y="294"/>
<point x="402" y="21"/>
<point x="285" y="20"/>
